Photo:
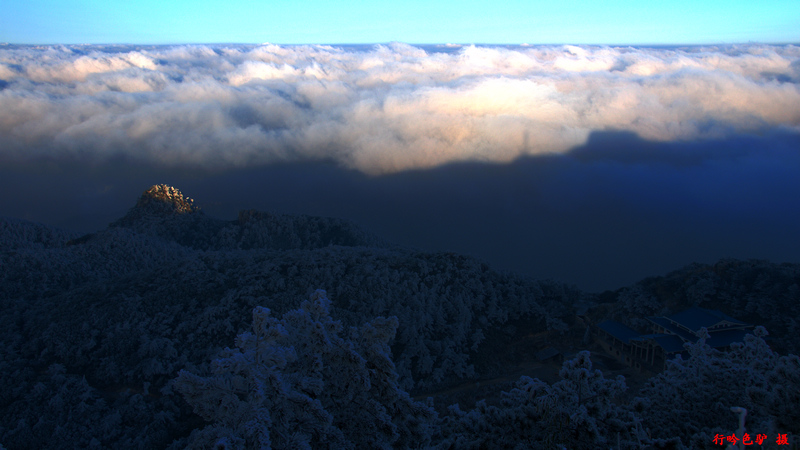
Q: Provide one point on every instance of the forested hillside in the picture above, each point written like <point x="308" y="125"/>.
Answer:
<point x="173" y="329"/>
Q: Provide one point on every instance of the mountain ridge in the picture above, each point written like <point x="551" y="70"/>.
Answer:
<point x="103" y="326"/>
<point x="163" y="211"/>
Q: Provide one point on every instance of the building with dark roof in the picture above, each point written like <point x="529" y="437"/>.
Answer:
<point x="669" y="334"/>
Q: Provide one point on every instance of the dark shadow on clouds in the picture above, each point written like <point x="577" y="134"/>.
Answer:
<point x="601" y="216"/>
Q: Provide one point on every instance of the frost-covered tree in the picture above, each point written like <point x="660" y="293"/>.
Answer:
<point x="577" y="412"/>
<point x="77" y="416"/>
<point x="303" y="381"/>
<point x="692" y="398"/>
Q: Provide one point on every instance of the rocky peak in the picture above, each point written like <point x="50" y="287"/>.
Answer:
<point x="158" y="201"/>
<point x="166" y="199"/>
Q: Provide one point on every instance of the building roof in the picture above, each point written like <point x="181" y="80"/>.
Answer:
<point x="695" y="318"/>
<point x="670" y="343"/>
<point x="618" y="330"/>
<point x="670" y="326"/>
<point x="677" y="328"/>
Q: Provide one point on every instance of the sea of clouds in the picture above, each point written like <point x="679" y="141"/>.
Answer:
<point x="378" y="109"/>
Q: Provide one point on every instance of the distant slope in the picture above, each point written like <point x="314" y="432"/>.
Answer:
<point x="21" y="234"/>
<point x="122" y="310"/>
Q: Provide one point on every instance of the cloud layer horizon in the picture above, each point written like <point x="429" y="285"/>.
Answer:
<point x="378" y="109"/>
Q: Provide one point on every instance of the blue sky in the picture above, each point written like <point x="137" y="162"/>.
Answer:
<point x="465" y="21"/>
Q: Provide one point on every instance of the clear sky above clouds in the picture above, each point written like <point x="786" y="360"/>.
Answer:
<point x="412" y="21"/>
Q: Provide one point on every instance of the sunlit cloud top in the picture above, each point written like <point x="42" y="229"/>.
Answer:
<point x="378" y="109"/>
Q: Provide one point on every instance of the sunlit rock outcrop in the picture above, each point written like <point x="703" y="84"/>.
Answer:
<point x="158" y="201"/>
